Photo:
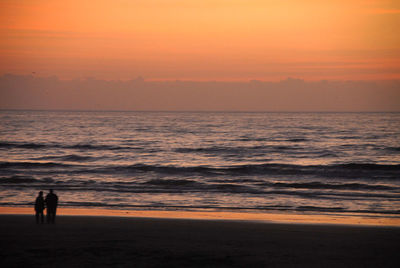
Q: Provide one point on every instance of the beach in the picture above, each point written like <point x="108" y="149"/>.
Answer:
<point x="104" y="241"/>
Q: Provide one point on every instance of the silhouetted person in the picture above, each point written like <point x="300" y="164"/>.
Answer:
<point x="39" y="207"/>
<point x="51" y="206"/>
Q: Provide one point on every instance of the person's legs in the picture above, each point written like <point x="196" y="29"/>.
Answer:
<point x="48" y="216"/>
<point x="41" y="217"/>
<point x="37" y="216"/>
<point x="51" y="214"/>
<point x="54" y="215"/>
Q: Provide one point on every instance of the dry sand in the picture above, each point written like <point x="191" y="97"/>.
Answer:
<point x="94" y="241"/>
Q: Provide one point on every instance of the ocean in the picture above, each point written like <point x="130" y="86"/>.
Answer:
<point x="324" y="163"/>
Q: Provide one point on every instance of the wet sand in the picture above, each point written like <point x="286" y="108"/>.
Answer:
<point x="95" y="241"/>
<point x="350" y="219"/>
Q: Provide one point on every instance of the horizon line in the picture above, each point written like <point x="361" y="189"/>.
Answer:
<point x="187" y="111"/>
<point x="222" y="80"/>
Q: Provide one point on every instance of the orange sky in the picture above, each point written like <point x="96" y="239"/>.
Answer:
<point x="201" y="40"/>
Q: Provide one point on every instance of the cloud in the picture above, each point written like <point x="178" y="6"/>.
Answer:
<point x="29" y="92"/>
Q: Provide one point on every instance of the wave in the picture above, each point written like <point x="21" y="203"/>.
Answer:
<point x="394" y="149"/>
<point x="320" y="185"/>
<point x="337" y="171"/>
<point x="166" y="182"/>
<point x="320" y="209"/>
<point x="68" y="158"/>
<point x="18" y="179"/>
<point x="261" y="168"/>
<point x="175" y="186"/>
<point x="81" y="146"/>
<point x="27" y="145"/>
<point x="349" y="137"/>
<point x="251" y="139"/>
<point x="131" y="169"/>
<point x="8" y="164"/>
<point x="367" y="166"/>
<point x="84" y="146"/>
<point x="238" y="149"/>
<point x="24" y="179"/>
<point x="354" y="170"/>
<point x="293" y="151"/>
<point x="297" y="140"/>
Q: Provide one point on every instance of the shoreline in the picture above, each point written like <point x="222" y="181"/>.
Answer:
<point x="284" y="218"/>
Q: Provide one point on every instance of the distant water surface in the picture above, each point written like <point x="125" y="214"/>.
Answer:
<point x="342" y="163"/>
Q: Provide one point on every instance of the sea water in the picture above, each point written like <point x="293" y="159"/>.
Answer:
<point x="342" y="163"/>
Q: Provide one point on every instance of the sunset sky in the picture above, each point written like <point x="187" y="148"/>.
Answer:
<point x="223" y="40"/>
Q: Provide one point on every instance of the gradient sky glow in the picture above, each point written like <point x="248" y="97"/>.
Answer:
<point x="225" y="40"/>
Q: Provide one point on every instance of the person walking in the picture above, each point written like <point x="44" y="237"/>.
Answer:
<point x="51" y="206"/>
<point x="39" y="207"/>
